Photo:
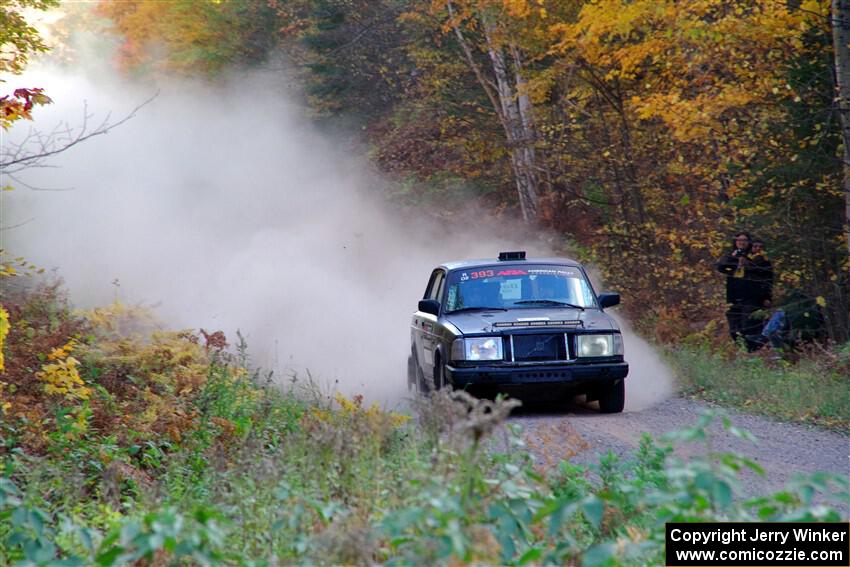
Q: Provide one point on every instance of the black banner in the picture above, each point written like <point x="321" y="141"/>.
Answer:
<point x="761" y="544"/>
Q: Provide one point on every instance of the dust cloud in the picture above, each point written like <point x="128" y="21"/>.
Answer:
<point x="223" y="207"/>
<point x="650" y="380"/>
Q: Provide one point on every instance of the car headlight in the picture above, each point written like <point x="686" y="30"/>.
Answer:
<point x="479" y="348"/>
<point x="600" y="345"/>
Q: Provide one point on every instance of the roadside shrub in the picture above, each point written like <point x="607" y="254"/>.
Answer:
<point x="158" y="447"/>
<point x="815" y="389"/>
<point x="411" y="502"/>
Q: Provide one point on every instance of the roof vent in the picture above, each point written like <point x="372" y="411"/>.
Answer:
<point x="508" y="256"/>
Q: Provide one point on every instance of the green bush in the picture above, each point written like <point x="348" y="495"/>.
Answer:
<point x="294" y="487"/>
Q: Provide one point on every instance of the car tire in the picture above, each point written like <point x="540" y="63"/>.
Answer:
<point x="420" y="385"/>
<point x="411" y="373"/>
<point x="439" y="374"/>
<point x="612" y="398"/>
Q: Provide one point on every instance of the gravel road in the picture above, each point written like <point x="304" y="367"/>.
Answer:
<point x="579" y="433"/>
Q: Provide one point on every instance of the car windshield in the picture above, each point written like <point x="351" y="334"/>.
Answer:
<point x="518" y="286"/>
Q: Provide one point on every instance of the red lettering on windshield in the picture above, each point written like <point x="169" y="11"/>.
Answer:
<point x="513" y="273"/>
<point x="482" y="274"/>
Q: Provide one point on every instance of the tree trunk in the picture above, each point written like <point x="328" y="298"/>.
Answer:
<point x="612" y="163"/>
<point x="526" y="115"/>
<point x="514" y="110"/>
<point x="517" y="123"/>
<point x="841" y="45"/>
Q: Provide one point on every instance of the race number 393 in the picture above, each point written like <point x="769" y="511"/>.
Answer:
<point x="759" y="544"/>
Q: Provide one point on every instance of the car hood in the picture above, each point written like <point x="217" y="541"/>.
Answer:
<point x="495" y="321"/>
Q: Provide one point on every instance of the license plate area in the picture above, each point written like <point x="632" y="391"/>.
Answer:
<point x="539" y="347"/>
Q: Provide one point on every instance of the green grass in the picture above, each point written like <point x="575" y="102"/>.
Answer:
<point x="814" y="390"/>
<point x="309" y="481"/>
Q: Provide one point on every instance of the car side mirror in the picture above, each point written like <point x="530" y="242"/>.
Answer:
<point x="608" y="299"/>
<point x="431" y="306"/>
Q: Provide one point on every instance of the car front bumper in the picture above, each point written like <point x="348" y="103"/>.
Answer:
<point x="562" y="374"/>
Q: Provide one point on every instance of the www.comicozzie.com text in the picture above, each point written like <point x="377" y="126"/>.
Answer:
<point x="756" y="534"/>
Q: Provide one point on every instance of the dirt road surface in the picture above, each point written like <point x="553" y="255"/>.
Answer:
<point x="579" y="433"/>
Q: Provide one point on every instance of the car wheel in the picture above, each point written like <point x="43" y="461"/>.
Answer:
<point x="419" y="381"/>
<point x="439" y="375"/>
<point x="612" y="398"/>
<point x="411" y="373"/>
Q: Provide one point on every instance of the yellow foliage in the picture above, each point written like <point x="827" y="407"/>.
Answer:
<point x="119" y="320"/>
<point x="62" y="352"/>
<point x="373" y="414"/>
<point x="19" y="105"/>
<point x="4" y="331"/>
<point x="320" y="414"/>
<point x="348" y="406"/>
<point x="4" y="405"/>
<point x="62" y="377"/>
<point x="706" y="58"/>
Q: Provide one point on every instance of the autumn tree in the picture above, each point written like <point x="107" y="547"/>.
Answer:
<point x="189" y="36"/>
<point x="841" y="45"/>
<point x="646" y="131"/>
<point x="481" y="29"/>
<point x="685" y="104"/>
<point x="20" y="41"/>
<point x="349" y="54"/>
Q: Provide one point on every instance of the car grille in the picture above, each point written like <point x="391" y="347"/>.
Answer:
<point x="538" y="348"/>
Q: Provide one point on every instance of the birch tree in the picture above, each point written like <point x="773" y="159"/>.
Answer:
<point x="841" y="46"/>
<point x="506" y="88"/>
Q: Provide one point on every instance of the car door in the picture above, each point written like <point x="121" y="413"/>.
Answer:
<point x="425" y="325"/>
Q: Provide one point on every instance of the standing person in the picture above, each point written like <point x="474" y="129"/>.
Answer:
<point x="739" y="290"/>
<point x="759" y="277"/>
<point x="759" y="274"/>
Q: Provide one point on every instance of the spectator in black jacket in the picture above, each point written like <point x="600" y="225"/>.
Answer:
<point x="759" y="275"/>
<point x="741" y="292"/>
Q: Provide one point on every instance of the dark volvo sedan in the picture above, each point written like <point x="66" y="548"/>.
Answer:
<point x="513" y="321"/>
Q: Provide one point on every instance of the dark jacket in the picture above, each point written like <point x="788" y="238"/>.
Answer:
<point x="739" y="289"/>
<point x="805" y="317"/>
<point x="759" y="275"/>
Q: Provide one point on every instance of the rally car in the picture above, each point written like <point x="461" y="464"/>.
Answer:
<point x="518" y="322"/>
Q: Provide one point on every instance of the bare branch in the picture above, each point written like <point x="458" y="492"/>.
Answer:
<point x="29" y="220"/>
<point x="485" y="83"/>
<point x="22" y="183"/>
<point x="38" y="146"/>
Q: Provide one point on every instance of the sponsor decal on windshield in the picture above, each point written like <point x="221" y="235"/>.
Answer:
<point x="563" y="272"/>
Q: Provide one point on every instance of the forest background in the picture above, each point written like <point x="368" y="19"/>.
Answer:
<point x="646" y="132"/>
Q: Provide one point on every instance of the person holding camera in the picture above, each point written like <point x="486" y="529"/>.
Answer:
<point x="742" y="292"/>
